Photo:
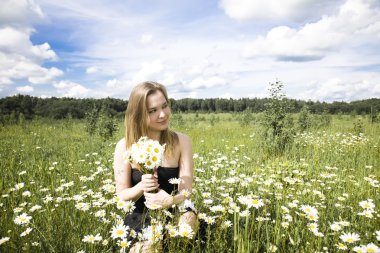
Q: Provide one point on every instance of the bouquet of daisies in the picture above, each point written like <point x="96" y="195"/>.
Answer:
<point x="147" y="153"/>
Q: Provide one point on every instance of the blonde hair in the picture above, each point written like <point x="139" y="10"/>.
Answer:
<point x="136" y="116"/>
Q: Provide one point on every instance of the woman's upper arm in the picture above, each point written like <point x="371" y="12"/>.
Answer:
<point x="122" y="170"/>
<point x="186" y="162"/>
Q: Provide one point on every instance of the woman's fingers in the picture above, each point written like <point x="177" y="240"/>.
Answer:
<point x="149" y="182"/>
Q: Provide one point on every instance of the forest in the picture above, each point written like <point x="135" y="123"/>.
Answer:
<point x="29" y="107"/>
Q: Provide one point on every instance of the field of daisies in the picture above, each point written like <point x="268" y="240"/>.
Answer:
<point x="322" y="195"/>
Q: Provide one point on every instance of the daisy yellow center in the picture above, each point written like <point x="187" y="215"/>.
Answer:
<point x="255" y="202"/>
<point x="370" y="250"/>
<point x="156" y="150"/>
<point x="154" y="158"/>
<point x="350" y="240"/>
<point x="185" y="233"/>
<point x="123" y="244"/>
<point x="120" y="232"/>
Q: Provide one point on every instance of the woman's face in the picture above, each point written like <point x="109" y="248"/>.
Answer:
<point x="158" y="111"/>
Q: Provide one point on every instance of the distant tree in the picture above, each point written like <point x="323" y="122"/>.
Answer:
<point x="107" y="124"/>
<point x="91" y="120"/>
<point x="304" y="119"/>
<point x="374" y="117"/>
<point x="278" y="124"/>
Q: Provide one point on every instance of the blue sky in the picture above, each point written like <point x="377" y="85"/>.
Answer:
<point x="321" y="50"/>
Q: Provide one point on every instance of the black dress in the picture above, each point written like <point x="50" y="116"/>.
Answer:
<point x="139" y="219"/>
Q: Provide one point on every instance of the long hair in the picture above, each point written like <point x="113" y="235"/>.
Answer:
<point x="136" y="116"/>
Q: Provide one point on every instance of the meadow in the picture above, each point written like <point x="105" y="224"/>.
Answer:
<point x="320" y="195"/>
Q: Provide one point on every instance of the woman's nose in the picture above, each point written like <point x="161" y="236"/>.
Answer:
<point x="162" y="113"/>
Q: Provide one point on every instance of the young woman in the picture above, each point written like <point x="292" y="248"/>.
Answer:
<point x="148" y="114"/>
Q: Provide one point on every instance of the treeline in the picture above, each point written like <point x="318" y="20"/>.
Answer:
<point x="30" y="107"/>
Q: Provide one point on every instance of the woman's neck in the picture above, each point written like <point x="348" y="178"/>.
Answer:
<point x="154" y="135"/>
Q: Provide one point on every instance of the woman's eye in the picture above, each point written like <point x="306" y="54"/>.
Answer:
<point x="152" y="111"/>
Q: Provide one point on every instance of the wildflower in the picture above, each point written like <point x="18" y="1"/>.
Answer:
<point x="153" y="233"/>
<point x="207" y="201"/>
<point x="335" y="227"/>
<point x="124" y="243"/>
<point x="26" y="194"/>
<point x="100" y="213"/>
<point x="91" y="238"/>
<point x="344" y="223"/>
<point x="250" y="201"/>
<point x="4" y="239"/>
<point x="313" y="227"/>
<point x="19" y="186"/>
<point x="175" y="180"/>
<point x="209" y="220"/>
<point x="172" y="232"/>
<point x="273" y="248"/>
<point x="285" y="224"/>
<point x="35" y="207"/>
<point x="244" y="213"/>
<point x="202" y="216"/>
<point x="217" y="208"/>
<point x="367" y="213"/>
<point x="371" y="247"/>
<point x="26" y="232"/>
<point x="119" y="231"/>
<point x="187" y="204"/>
<point x="17" y="209"/>
<point x="226" y="224"/>
<point x="185" y="230"/>
<point x="341" y="246"/>
<point x="309" y="209"/>
<point x="83" y="206"/>
<point x="109" y="188"/>
<point x="22" y="219"/>
<point x="367" y="204"/>
<point x="360" y="249"/>
<point x="350" y="237"/>
<point x="185" y="193"/>
<point x="377" y="235"/>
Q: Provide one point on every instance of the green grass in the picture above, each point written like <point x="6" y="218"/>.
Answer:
<point x="330" y="169"/>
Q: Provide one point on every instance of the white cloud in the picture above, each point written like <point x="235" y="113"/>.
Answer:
<point x="71" y="89"/>
<point x="92" y="70"/>
<point x="19" y="57"/>
<point x="209" y="82"/>
<point x="336" y="89"/>
<point x="25" y="89"/>
<point x="146" y="39"/>
<point x="149" y="71"/>
<point x="275" y="10"/>
<point x="114" y="83"/>
<point x="316" y="40"/>
<point x="19" y="12"/>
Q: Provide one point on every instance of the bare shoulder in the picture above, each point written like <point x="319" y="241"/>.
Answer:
<point x="121" y="145"/>
<point x="183" y="139"/>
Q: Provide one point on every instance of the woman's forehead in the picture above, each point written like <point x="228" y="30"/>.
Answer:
<point x="156" y="99"/>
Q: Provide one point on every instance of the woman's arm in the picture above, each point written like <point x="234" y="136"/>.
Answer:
<point x="162" y="199"/>
<point x="123" y="174"/>
<point x="186" y="169"/>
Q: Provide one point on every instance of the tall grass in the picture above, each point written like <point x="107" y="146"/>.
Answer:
<point x="248" y="200"/>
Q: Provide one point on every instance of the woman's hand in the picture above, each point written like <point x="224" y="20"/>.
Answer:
<point x="158" y="200"/>
<point x="149" y="182"/>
